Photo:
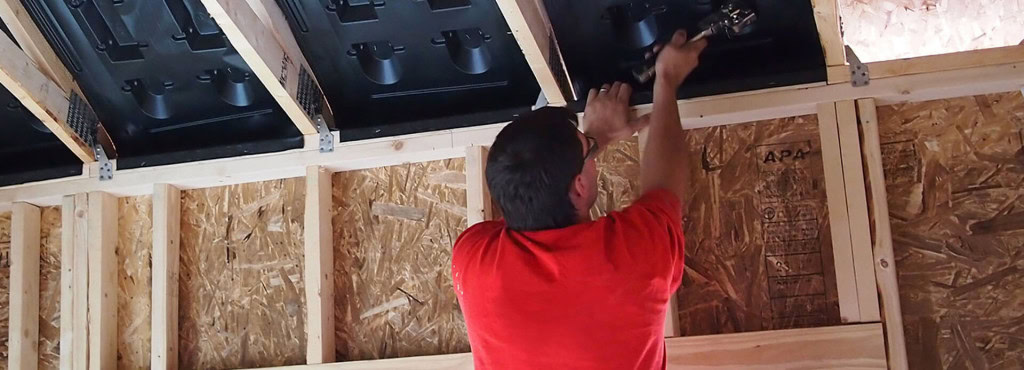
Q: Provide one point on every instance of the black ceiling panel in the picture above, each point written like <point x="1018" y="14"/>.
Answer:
<point x="28" y="151"/>
<point x="164" y="80"/>
<point x="392" y="67"/>
<point x="602" y="40"/>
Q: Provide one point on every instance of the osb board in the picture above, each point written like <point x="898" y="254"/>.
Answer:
<point x="134" y="281"/>
<point x="892" y="29"/>
<point x="758" y="243"/>
<point x="49" y="287"/>
<point x="5" y="284"/>
<point x="955" y="181"/>
<point x="393" y="233"/>
<point x="618" y="177"/>
<point x="242" y="300"/>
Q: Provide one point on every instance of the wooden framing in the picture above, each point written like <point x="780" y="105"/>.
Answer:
<point x="41" y="96"/>
<point x="884" y="261"/>
<point x="529" y="23"/>
<point x="478" y="198"/>
<point x="932" y="63"/>
<point x="826" y="17"/>
<point x="319" y="267"/>
<point x="24" y="301"/>
<point x="102" y="318"/>
<point x="74" y="282"/>
<point x="166" y="257"/>
<point x="272" y="57"/>
<point x="851" y="346"/>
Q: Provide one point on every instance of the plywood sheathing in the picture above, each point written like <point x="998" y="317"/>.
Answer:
<point x="241" y="298"/>
<point x="758" y="243"/>
<point x="618" y="177"/>
<point x="954" y="171"/>
<point x="134" y="281"/>
<point x="49" y="288"/>
<point x="393" y="233"/>
<point x="892" y="29"/>
<point x="5" y="285"/>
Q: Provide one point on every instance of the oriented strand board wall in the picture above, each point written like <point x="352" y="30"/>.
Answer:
<point x="893" y="29"/>
<point x="5" y="285"/>
<point x="241" y="289"/>
<point x="393" y="233"/>
<point x="955" y="180"/>
<point x="758" y="248"/>
<point x="135" y="283"/>
<point x="49" y="288"/>
<point x="618" y="177"/>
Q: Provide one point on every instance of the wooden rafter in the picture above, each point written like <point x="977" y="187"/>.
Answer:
<point x="34" y="44"/>
<point x="531" y="27"/>
<point x="40" y="95"/>
<point x="273" y="58"/>
<point x="826" y="17"/>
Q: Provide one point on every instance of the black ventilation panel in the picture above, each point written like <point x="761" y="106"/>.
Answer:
<point x="602" y="40"/>
<point x="28" y="151"/>
<point x="392" y="67"/>
<point x="164" y="80"/>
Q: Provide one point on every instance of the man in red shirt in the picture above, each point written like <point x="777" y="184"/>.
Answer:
<point x="549" y="288"/>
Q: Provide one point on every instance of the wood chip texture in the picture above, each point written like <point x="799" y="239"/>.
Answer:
<point x="49" y="288"/>
<point x="954" y="174"/>
<point x="758" y="242"/>
<point x="241" y="287"/>
<point x="134" y="281"/>
<point x="893" y="29"/>
<point x="394" y="228"/>
<point x="5" y="286"/>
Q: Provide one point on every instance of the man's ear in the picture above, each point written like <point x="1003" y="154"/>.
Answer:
<point x="578" y="188"/>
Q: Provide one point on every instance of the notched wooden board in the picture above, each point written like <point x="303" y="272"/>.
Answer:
<point x="955" y="185"/>
<point x="241" y="288"/>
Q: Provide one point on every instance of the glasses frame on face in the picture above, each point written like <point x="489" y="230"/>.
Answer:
<point x="592" y="144"/>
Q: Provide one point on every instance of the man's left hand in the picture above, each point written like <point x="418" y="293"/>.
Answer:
<point x="607" y="115"/>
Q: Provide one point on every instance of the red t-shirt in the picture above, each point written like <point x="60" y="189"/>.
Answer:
<point x="588" y="296"/>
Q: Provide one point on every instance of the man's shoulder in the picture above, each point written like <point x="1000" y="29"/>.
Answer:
<point x="479" y="233"/>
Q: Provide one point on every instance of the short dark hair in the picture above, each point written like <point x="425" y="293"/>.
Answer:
<point x="531" y="167"/>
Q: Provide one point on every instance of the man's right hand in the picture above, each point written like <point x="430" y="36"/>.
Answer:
<point x="677" y="59"/>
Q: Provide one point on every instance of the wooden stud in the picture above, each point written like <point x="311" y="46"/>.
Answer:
<point x="838" y="216"/>
<point x="849" y="346"/>
<point x="826" y="17"/>
<point x="67" y="282"/>
<point x="277" y="66"/>
<point x="166" y="235"/>
<point x="857" y="207"/>
<point x="319" y="267"/>
<point x="672" y="317"/>
<point x="79" y="284"/>
<point x="102" y="281"/>
<point x="885" y="262"/>
<point x="41" y="96"/>
<point x="24" y="301"/>
<point x="933" y="63"/>
<point x="34" y="44"/>
<point x="531" y="27"/>
<point x="478" y="197"/>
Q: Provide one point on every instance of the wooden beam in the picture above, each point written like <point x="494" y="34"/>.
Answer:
<point x="857" y="208"/>
<point x="826" y="17"/>
<point x="478" y="197"/>
<point x="695" y="113"/>
<point x="166" y="237"/>
<point x="849" y="346"/>
<point x="41" y="96"/>
<point x="933" y="63"/>
<point x="885" y="262"/>
<point x="838" y="214"/>
<point x="319" y="267"/>
<point x="672" y="317"/>
<point x="73" y="210"/>
<point x="277" y="66"/>
<point x="531" y="27"/>
<point x="102" y="236"/>
<point x="34" y="44"/>
<point x="24" y="301"/>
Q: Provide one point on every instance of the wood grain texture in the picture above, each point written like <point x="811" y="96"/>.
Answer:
<point x="5" y="286"/>
<point x="954" y="171"/>
<point x="528" y="21"/>
<point x="166" y="259"/>
<point x="826" y="17"/>
<point x="24" y="300"/>
<point x="67" y="286"/>
<point x="134" y="282"/>
<point x="103" y="287"/>
<point x="319" y="267"/>
<point x="241" y="287"/>
<point x="479" y="206"/>
<point x="933" y="63"/>
<point x="50" y="244"/>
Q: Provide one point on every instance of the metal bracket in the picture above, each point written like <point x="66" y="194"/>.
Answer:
<point x="326" y="136"/>
<point x="859" y="73"/>
<point x="542" y="101"/>
<point x="106" y="167"/>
